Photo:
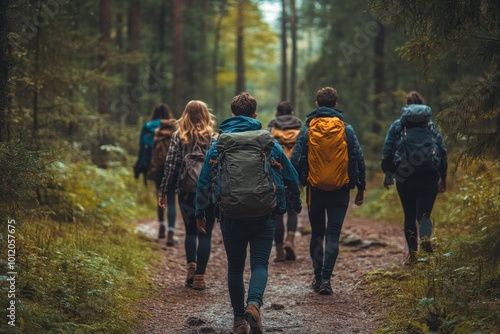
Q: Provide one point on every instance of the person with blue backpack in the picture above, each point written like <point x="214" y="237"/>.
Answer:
<point x="153" y="146"/>
<point x="415" y="155"/>
<point x="246" y="174"/>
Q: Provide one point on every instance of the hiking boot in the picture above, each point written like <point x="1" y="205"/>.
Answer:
<point x="199" y="282"/>
<point x="252" y="315"/>
<point x="280" y="253"/>
<point x="161" y="232"/>
<point x="289" y="247"/>
<point x="190" y="268"/>
<point x="170" y="238"/>
<point x="426" y="246"/>
<point x="325" y="288"/>
<point x="240" y="326"/>
<point x="315" y="284"/>
<point x="411" y="259"/>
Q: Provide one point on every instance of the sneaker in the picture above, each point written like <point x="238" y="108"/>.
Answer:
<point x="325" y="288"/>
<point x="190" y="268"/>
<point x="170" y="239"/>
<point x="199" y="282"/>
<point x="240" y="326"/>
<point x="315" y="284"/>
<point x="252" y="316"/>
<point x="161" y="233"/>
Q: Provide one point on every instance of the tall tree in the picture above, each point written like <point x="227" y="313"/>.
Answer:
<point x="284" y="67"/>
<point x="133" y="74"/>
<point x="221" y="12"/>
<point x="178" y="57"/>
<point x="104" y="53"/>
<point x="240" y="58"/>
<point x="379" y="78"/>
<point x="162" y="45"/>
<point x="4" y="69"/>
<point x="293" y="65"/>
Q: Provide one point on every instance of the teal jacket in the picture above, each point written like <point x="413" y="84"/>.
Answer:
<point x="285" y="179"/>
<point x="356" y="165"/>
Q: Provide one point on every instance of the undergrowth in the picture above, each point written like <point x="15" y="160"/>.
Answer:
<point x="456" y="289"/>
<point x="81" y="268"/>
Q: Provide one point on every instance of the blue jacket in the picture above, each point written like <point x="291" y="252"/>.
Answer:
<point x="285" y="179"/>
<point x="395" y="131"/>
<point x="356" y="165"/>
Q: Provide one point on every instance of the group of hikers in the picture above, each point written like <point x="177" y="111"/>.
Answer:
<point x="248" y="178"/>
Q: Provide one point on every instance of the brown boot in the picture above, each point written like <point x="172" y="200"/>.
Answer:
<point x="190" y="268"/>
<point x="240" y="326"/>
<point x="280" y="253"/>
<point x="252" y="315"/>
<point x="290" y="247"/>
<point x="199" y="282"/>
<point x="170" y="239"/>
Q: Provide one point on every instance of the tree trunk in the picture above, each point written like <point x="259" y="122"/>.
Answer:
<point x="293" y="72"/>
<point x="215" y="59"/>
<point x="178" y="58"/>
<point x="162" y="47"/>
<point x="4" y="70"/>
<point x="134" y="89"/>
<point x="379" y="78"/>
<point x="104" y="53"/>
<point x="284" y="67"/>
<point x="240" y="60"/>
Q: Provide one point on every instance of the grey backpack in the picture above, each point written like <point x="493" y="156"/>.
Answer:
<point x="191" y="168"/>
<point x="245" y="187"/>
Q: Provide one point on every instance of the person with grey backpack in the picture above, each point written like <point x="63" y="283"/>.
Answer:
<point x="246" y="174"/>
<point x="414" y="154"/>
<point x="182" y="167"/>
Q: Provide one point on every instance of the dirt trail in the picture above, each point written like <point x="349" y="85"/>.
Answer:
<point x="290" y="305"/>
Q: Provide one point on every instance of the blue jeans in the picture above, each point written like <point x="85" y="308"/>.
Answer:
<point x="335" y="204"/>
<point x="196" y="253"/>
<point x="417" y="194"/>
<point x="237" y="235"/>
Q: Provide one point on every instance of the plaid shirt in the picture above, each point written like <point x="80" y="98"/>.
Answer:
<point x="173" y="164"/>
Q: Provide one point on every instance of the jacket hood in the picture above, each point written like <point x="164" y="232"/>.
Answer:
<point x="240" y="124"/>
<point x="417" y="108"/>
<point x="285" y="122"/>
<point x="324" y="112"/>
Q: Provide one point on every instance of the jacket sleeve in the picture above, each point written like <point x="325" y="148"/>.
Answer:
<point x="356" y="167"/>
<point x="172" y="165"/>
<point x="299" y="155"/>
<point x="443" y="153"/>
<point x="387" y="163"/>
<point x="291" y="182"/>
<point x="204" y="185"/>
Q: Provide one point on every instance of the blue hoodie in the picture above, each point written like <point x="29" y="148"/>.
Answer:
<point x="356" y="166"/>
<point x="285" y="179"/>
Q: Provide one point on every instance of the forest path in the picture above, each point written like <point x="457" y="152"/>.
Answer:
<point x="290" y="305"/>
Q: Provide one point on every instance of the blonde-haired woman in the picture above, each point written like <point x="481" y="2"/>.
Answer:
<point x="189" y="144"/>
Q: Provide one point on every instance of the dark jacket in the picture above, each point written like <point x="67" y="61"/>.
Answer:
<point x="285" y="177"/>
<point x="356" y="165"/>
<point x="395" y="132"/>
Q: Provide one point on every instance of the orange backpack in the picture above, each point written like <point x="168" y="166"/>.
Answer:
<point x="287" y="139"/>
<point x="328" y="156"/>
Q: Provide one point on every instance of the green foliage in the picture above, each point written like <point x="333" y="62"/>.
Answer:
<point x="456" y="289"/>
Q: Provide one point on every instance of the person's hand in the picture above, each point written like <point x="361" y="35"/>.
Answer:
<point x="201" y="225"/>
<point x="442" y="186"/>
<point x="388" y="180"/>
<point x="162" y="201"/>
<point x="360" y="197"/>
<point x="297" y="208"/>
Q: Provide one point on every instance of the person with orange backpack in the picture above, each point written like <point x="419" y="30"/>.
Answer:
<point x="330" y="162"/>
<point x="153" y="147"/>
<point x="285" y="128"/>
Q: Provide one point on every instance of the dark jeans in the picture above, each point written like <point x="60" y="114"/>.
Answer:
<point x="417" y="194"/>
<point x="171" y="213"/>
<point x="237" y="236"/>
<point x="334" y="204"/>
<point x="291" y="224"/>
<point x="201" y="253"/>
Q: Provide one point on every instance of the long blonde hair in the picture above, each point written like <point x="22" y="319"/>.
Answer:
<point x="196" y="124"/>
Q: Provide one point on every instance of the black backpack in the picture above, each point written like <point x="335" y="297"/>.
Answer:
<point x="191" y="166"/>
